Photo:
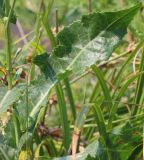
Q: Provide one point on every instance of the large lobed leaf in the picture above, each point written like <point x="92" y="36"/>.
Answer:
<point x="82" y="44"/>
<point x="86" y="42"/>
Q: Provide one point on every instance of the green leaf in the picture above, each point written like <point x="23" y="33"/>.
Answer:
<point x="39" y="95"/>
<point x="8" y="99"/>
<point x="43" y="62"/>
<point x="88" y="41"/>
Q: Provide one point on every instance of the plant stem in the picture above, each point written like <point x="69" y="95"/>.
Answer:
<point x="57" y="25"/>
<point x="8" y="45"/>
<point x="49" y="33"/>
<point x="16" y="128"/>
<point x="7" y="7"/>
<point x="27" y="115"/>
<point x="49" y="9"/>
<point x="47" y="26"/>
<point x="37" y="40"/>
<point x="90" y="6"/>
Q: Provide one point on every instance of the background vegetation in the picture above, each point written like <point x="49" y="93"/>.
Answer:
<point x="53" y="104"/>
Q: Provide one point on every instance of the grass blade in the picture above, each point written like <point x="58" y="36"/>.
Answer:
<point x="63" y="115"/>
<point x="124" y="66"/>
<point x="100" y="121"/>
<point x="70" y="96"/>
<point x="118" y="98"/>
<point x="139" y="88"/>
<point x="104" y="87"/>
<point x="102" y="129"/>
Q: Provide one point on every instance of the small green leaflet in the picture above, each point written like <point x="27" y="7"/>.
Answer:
<point x="86" y="42"/>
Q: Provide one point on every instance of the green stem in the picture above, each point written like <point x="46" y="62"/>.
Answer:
<point x="47" y="26"/>
<point x="49" y="33"/>
<point x="49" y="9"/>
<point x="27" y="115"/>
<point x="37" y="39"/>
<point x="7" y="7"/>
<point x="16" y="128"/>
<point x="8" y="45"/>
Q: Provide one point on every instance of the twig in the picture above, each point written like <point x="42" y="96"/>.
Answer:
<point x="22" y="34"/>
<point x="90" y="6"/>
<point x="57" y="25"/>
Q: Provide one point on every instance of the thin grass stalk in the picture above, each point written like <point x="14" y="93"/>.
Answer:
<point x="37" y="40"/>
<point x="8" y="43"/>
<point x="27" y="118"/>
<point x="48" y="11"/>
<point x="9" y="12"/>
<point x="7" y="7"/>
<point x="47" y="25"/>
<point x="16" y="127"/>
